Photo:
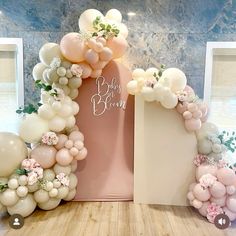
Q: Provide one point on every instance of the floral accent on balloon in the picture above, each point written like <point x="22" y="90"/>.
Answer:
<point x="50" y="138"/>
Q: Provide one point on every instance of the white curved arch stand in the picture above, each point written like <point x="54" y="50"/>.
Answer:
<point x="163" y="155"/>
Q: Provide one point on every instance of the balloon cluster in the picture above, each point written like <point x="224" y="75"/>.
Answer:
<point x="169" y="88"/>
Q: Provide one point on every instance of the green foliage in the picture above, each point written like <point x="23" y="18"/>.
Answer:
<point x="22" y="171"/>
<point x="159" y="74"/>
<point x="105" y="29"/>
<point x="229" y="140"/>
<point x="28" y="109"/>
<point x="41" y="85"/>
<point x="3" y="187"/>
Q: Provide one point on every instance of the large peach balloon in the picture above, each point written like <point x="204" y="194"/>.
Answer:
<point x="73" y="47"/>
<point x="64" y="157"/>
<point x="12" y="151"/>
<point x="87" y="70"/>
<point x="118" y="45"/>
<point x="44" y="155"/>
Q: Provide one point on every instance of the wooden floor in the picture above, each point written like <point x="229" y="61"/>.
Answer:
<point x="115" y="219"/>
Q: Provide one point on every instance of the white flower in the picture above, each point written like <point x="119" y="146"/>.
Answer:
<point x="32" y="178"/>
<point x="64" y="180"/>
<point x="207" y="180"/>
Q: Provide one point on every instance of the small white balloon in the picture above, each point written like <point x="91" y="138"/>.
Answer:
<point x="38" y="71"/>
<point x="169" y="101"/>
<point x="13" y="184"/>
<point x="114" y="14"/>
<point x="57" y="124"/>
<point x="9" y="197"/>
<point x="62" y="169"/>
<point x="61" y="71"/>
<point x="48" y="186"/>
<point x="62" y="192"/>
<point x="71" y="195"/>
<point x="138" y="73"/>
<point x="50" y="204"/>
<point x="63" y="81"/>
<point x="49" y="175"/>
<point x="22" y="180"/>
<point x="41" y="196"/>
<point x="123" y="30"/>
<point x="75" y="108"/>
<point x="22" y="191"/>
<point x="148" y="94"/>
<point x="73" y="93"/>
<point x="46" y="112"/>
<point x="149" y="74"/>
<point x="70" y="122"/>
<point x="53" y="192"/>
<point x="132" y="87"/>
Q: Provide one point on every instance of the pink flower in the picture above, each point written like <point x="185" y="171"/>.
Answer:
<point x="32" y="178"/>
<point x="29" y="164"/>
<point x="50" y="138"/>
<point x="212" y="211"/>
<point x="182" y="96"/>
<point x="222" y="163"/>
<point x="150" y="82"/>
<point x="207" y="180"/>
<point x="64" y="180"/>
<point x="199" y="159"/>
<point x="76" y="70"/>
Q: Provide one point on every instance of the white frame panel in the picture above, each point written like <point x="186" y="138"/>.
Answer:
<point x="215" y="48"/>
<point x="18" y="44"/>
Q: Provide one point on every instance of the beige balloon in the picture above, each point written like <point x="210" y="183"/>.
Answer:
<point x="71" y="195"/>
<point x="12" y="151"/>
<point x="8" y="197"/>
<point x="38" y="71"/>
<point x="50" y="204"/>
<point x="25" y="206"/>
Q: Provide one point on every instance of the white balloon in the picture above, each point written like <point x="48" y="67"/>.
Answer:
<point x="41" y="196"/>
<point x="52" y="75"/>
<point x="70" y="195"/>
<point x="32" y="127"/>
<point x="73" y="181"/>
<point x="159" y="91"/>
<point x="56" y="106"/>
<point x="204" y="146"/>
<point x="46" y="112"/>
<point x="62" y="169"/>
<point x="149" y="74"/>
<point x="138" y="73"/>
<point x="50" y="204"/>
<point x="62" y="192"/>
<point x="148" y="94"/>
<point x="75" y="82"/>
<point x="73" y="93"/>
<point x="13" y="184"/>
<point x="70" y="122"/>
<point x="206" y="129"/>
<point x="49" y="175"/>
<point x="176" y="78"/>
<point x="33" y="188"/>
<point x="53" y="192"/>
<point x="132" y="87"/>
<point x="65" y="111"/>
<point x="57" y="124"/>
<point x="123" y="30"/>
<point x="169" y="101"/>
<point x="22" y="191"/>
<point x="48" y="51"/>
<point x="38" y="71"/>
<point x="86" y="19"/>
<point x="74" y="164"/>
<point x="9" y="197"/>
<point x="75" y="107"/>
<point x="114" y="14"/>
<point x="25" y="206"/>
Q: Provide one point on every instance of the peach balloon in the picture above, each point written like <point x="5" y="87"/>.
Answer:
<point x="62" y="138"/>
<point x="82" y="154"/>
<point x="118" y="45"/>
<point x="197" y="204"/>
<point x="193" y="124"/>
<point x="106" y="54"/>
<point x="219" y="201"/>
<point x="87" y="70"/>
<point x="203" y="209"/>
<point x="79" y="144"/>
<point x="226" y="176"/>
<point x="99" y="65"/>
<point x="44" y="155"/>
<point x="181" y="108"/>
<point x="200" y="193"/>
<point x="230" y="214"/>
<point x="189" y="90"/>
<point x="96" y="73"/>
<point x="74" y="151"/>
<point x="63" y="157"/>
<point x="231" y="203"/>
<point x="76" y="135"/>
<point x="91" y="56"/>
<point x="73" y="47"/>
<point x="205" y="169"/>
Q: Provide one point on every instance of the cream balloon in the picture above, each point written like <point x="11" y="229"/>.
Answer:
<point x="206" y="129"/>
<point x="12" y="152"/>
<point x="86" y="19"/>
<point x="71" y="195"/>
<point x="57" y="124"/>
<point x="48" y="174"/>
<point x="114" y="14"/>
<point x="9" y="197"/>
<point x="73" y="181"/>
<point x="148" y="94"/>
<point x="50" y="204"/>
<point x="62" y="169"/>
<point x="25" y="206"/>
<point x="62" y="192"/>
<point x="32" y="127"/>
<point x="46" y="112"/>
<point x="38" y="71"/>
<point x="48" y="51"/>
<point x="123" y="30"/>
<point x="41" y="196"/>
<point x="132" y="87"/>
<point x="137" y="73"/>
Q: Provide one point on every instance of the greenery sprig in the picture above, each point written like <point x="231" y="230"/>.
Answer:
<point x="229" y="140"/>
<point x="41" y="85"/>
<point x="28" y="109"/>
<point x="106" y="30"/>
<point x="159" y="74"/>
<point x="22" y="171"/>
<point x="3" y="187"/>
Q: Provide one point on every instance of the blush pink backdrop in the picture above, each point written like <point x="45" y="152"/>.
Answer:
<point x="107" y="172"/>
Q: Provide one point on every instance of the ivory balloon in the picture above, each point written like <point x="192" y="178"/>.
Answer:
<point x="57" y="124"/>
<point x="118" y="45"/>
<point x="41" y="196"/>
<point x="52" y="203"/>
<point x="73" y="47"/>
<point x="45" y="155"/>
<point x="49" y="175"/>
<point x="86" y="19"/>
<point x="70" y="195"/>
<point x="25" y="206"/>
<point x="9" y="197"/>
<point x="132" y="87"/>
<point x="12" y="152"/>
<point x="38" y="71"/>
<point x="62" y="192"/>
<point x="206" y="129"/>
<point x="32" y="127"/>
<point x="48" y="51"/>
<point x="114" y="14"/>
<point x="148" y="94"/>
<point x="46" y="112"/>
<point x="123" y="30"/>
<point x="62" y="169"/>
<point x="73" y="181"/>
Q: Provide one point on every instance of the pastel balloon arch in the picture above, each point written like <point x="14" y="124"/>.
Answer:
<point x="214" y="191"/>
<point x="42" y="175"/>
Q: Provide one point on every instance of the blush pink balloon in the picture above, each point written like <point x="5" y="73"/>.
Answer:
<point x="91" y="56"/>
<point x="189" y="90"/>
<point x="106" y="54"/>
<point x="203" y="209"/>
<point x="187" y="115"/>
<point x="79" y="144"/>
<point x="205" y="169"/>
<point x="73" y="47"/>
<point x="181" y="108"/>
<point x="231" y="203"/>
<point x="118" y="46"/>
<point x="217" y="190"/>
<point x="230" y="189"/>
<point x="193" y="124"/>
<point x="99" y="65"/>
<point x="45" y="155"/>
<point x="82" y="154"/>
<point x="219" y="201"/>
<point x="197" y="204"/>
<point x="200" y="193"/>
<point x="87" y="70"/>
<point x="230" y="214"/>
<point x="63" y="157"/>
<point x="96" y="73"/>
<point x="191" y="186"/>
<point x="190" y="196"/>
<point x="226" y="176"/>
<point x="204" y="109"/>
<point x="62" y="138"/>
<point x="74" y="151"/>
<point x="76" y="135"/>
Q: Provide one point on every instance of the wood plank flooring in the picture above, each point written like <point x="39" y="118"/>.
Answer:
<point x="114" y="219"/>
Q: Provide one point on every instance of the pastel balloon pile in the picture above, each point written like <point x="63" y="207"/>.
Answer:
<point x="169" y="88"/>
<point x="43" y="175"/>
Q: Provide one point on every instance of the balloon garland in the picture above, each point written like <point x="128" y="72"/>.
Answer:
<point x="43" y="174"/>
<point x="214" y="191"/>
